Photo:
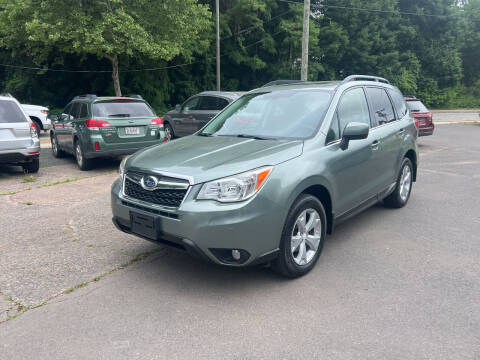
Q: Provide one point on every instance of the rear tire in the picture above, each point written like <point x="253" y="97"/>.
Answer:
<point x="303" y="236"/>
<point x="32" y="166"/>
<point x="83" y="163"/>
<point x="399" y="197"/>
<point x="169" y="134"/>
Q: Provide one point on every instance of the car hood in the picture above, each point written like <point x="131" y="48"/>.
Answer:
<point x="203" y="159"/>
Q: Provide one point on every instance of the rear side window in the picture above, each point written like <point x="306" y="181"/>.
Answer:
<point x="416" y="106"/>
<point x="382" y="108"/>
<point x="212" y="103"/>
<point x="353" y="108"/>
<point x="122" y="109"/>
<point x="83" y="111"/>
<point x="399" y="103"/>
<point x="75" y="110"/>
<point x="10" y="112"/>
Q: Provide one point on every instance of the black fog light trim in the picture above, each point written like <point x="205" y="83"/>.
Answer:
<point x="226" y="256"/>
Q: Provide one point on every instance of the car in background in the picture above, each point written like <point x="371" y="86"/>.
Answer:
<point x="422" y="116"/>
<point x="39" y="116"/>
<point x="19" y="143"/>
<point x="91" y="127"/>
<point x="272" y="174"/>
<point x="195" y="112"/>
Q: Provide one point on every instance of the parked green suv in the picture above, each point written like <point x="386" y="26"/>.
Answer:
<point x="273" y="173"/>
<point x="92" y="127"/>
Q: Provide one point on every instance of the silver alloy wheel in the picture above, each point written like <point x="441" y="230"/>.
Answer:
<point x="306" y="235"/>
<point x="168" y="132"/>
<point x="53" y="140"/>
<point x="405" y="182"/>
<point x="78" y="153"/>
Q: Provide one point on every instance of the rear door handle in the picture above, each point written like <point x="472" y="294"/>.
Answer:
<point x="401" y="131"/>
<point x="375" y="145"/>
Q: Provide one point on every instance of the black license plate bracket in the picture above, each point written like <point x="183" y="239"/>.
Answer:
<point x="143" y="225"/>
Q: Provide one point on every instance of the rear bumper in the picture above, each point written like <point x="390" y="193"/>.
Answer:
<point x="426" y="130"/>
<point x="112" y="153"/>
<point x="22" y="155"/>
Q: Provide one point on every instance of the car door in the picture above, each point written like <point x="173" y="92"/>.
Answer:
<point x="208" y="108"/>
<point x="355" y="176"/>
<point x="59" y="125"/>
<point x="384" y="127"/>
<point x="183" y="121"/>
<point x="68" y="126"/>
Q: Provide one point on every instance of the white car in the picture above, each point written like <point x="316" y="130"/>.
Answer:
<point x="39" y="116"/>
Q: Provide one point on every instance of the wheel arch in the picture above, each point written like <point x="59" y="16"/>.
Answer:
<point x="322" y="191"/>
<point x="37" y="121"/>
<point x="411" y="154"/>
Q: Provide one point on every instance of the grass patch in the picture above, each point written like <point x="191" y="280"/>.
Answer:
<point x="28" y="203"/>
<point x="27" y="179"/>
<point x="63" y="181"/>
<point x="8" y="193"/>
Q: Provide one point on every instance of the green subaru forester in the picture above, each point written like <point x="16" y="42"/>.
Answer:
<point x="92" y="127"/>
<point x="270" y="175"/>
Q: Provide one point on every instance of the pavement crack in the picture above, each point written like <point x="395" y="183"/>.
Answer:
<point x="22" y="309"/>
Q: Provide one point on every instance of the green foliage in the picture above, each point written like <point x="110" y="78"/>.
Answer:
<point x="435" y="58"/>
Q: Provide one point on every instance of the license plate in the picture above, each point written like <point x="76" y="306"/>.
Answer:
<point x="143" y="225"/>
<point x="132" y="131"/>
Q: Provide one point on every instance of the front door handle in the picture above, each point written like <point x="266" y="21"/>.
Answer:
<point x="375" y="145"/>
<point x="401" y="131"/>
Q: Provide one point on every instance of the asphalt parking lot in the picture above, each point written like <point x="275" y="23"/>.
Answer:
<point x="390" y="284"/>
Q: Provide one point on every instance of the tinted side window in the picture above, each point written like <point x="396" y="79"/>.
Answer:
<point x="399" y="103"/>
<point x="334" y="131"/>
<point x="221" y="103"/>
<point x="208" y="103"/>
<point x="10" y="112"/>
<point x="66" y="111"/>
<point x="382" y="108"/>
<point x="83" y="111"/>
<point x="353" y="108"/>
<point x="75" y="110"/>
<point x="192" y="104"/>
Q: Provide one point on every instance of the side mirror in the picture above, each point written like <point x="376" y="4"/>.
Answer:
<point x="178" y="107"/>
<point x="186" y="109"/>
<point x="53" y="117"/>
<point x="354" y="131"/>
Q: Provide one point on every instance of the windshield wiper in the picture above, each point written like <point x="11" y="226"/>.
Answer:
<point x="252" y="137"/>
<point x="119" y="115"/>
<point x="204" y="134"/>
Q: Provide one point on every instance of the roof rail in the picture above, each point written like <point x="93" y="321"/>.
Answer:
<point x="86" y="96"/>
<point x="6" y="95"/>
<point x="135" y="96"/>
<point x="281" y="82"/>
<point x="365" y="77"/>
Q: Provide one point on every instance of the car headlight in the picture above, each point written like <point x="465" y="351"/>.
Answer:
<point x="235" y="188"/>
<point x="122" y="166"/>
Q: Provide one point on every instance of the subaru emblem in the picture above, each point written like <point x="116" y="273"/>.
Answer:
<point x="149" y="182"/>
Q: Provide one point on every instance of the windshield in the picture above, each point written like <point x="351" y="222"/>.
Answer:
<point x="277" y="114"/>
<point x="122" y="109"/>
<point x="416" y="106"/>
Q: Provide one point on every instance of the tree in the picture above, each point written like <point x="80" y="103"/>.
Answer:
<point x="155" y="29"/>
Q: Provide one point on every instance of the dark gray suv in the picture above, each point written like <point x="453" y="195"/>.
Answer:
<point x="195" y="112"/>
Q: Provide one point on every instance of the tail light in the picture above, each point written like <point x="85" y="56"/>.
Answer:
<point x="415" y="120"/>
<point x="93" y="124"/>
<point x="156" y="121"/>
<point x="33" y="130"/>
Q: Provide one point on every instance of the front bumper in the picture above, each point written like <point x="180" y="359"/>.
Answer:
<point x="206" y="228"/>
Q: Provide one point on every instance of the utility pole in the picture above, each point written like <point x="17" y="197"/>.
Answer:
<point x="217" y="5"/>
<point x="306" y="31"/>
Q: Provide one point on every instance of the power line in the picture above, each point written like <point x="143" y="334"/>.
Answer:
<point x="327" y="6"/>
<point x="241" y="31"/>
<point x="134" y="70"/>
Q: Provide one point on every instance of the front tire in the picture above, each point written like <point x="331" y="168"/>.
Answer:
<point x="399" y="197"/>
<point x="303" y="236"/>
<point x="56" y="151"/>
<point x="82" y="162"/>
<point x="32" y="166"/>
